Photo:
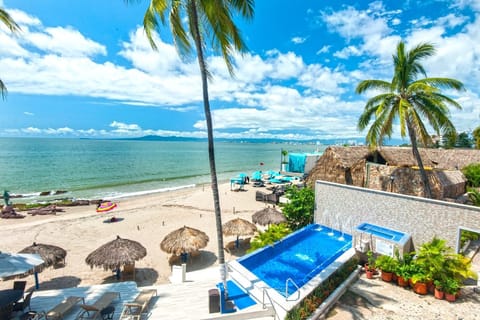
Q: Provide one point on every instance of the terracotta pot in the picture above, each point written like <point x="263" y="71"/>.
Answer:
<point x="430" y="286"/>
<point x="420" y="288"/>
<point x="402" y="282"/>
<point x="438" y="294"/>
<point x="387" y="276"/>
<point x="450" y="297"/>
<point x="370" y="273"/>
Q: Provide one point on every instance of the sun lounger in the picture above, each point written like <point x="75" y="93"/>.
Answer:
<point x="138" y="307"/>
<point x="61" y="309"/>
<point x="92" y="311"/>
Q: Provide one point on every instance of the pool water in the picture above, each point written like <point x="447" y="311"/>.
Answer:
<point x="381" y="232"/>
<point x="300" y="256"/>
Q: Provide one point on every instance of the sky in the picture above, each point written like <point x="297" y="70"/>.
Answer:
<point x="84" y="69"/>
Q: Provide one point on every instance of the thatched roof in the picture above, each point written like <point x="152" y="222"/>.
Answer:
<point x="268" y="216"/>
<point x="238" y="227"/>
<point x="184" y="240"/>
<point x="52" y="255"/>
<point x="116" y="253"/>
<point x="403" y="156"/>
<point x="347" y="156"/>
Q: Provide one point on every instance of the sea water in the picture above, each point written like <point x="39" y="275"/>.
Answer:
<point x="93" y="169"/>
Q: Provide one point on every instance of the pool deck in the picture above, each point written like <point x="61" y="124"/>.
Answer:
<point x="186" y="300"/>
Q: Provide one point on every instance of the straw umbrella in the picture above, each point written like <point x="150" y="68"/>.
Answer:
<point x="238" y="227"/>
<point x="183" y="241"/>
<point x="52" y="255"/>
<point x="268" y="216"/>
<point x="115" y="254"/>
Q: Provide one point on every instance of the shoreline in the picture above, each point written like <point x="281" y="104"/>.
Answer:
<point x="147" y="219"/>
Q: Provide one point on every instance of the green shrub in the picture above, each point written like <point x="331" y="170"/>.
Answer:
<point x="274" y="233"/>
<point x="299" y="211"/>
<point x="472" y="173"/>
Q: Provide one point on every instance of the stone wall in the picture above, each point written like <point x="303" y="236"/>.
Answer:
<point x="421" y="218"/>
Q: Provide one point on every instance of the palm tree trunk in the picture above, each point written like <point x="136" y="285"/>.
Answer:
<point x="211" y="150"/>
<point x="416" y="154"/>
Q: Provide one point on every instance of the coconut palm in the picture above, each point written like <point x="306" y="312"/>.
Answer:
<point x="409" y="101"/>
<point x="202" y="22"/>
<point x="13" y="26"/>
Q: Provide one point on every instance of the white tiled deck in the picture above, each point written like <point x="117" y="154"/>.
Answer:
<point x="187" y="300"/>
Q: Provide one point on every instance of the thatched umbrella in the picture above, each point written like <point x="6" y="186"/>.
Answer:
<point x="268" y="216"/>
<point x="116" y="253"/>
<point x="238" y="227"/>
<point x="52" y="255"/>
<point x="184" y="241"/>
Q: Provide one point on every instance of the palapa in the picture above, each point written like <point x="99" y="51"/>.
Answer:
<point x="268" y="216"/>
<point x="52" y="255"/>
<point x="116" y="253"/>
<point x="184" y="240"/>
<point x="238" y="227"/>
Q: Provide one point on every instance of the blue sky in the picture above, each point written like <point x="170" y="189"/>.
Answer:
<point x="85" y="69"/>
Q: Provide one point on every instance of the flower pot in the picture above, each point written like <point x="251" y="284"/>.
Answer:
<point x="420" y="288"/>
<point x="369" y="273"/>
<point x="438" y="294"/>
<point x="402" y="282"/>
<point x="387" y="276"/>
<point x="450" y="297"/>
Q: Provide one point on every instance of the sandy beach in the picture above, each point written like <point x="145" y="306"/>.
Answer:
<point x="146" y="219"/>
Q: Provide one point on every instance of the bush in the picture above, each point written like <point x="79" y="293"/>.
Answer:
<point x="274" y="233"/>
<point x="299" y="211"/>
<point x="472" y="173"/>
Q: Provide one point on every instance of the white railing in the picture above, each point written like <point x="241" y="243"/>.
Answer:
<point x="286" y="289"/>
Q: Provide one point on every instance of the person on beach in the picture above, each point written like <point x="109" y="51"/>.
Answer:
<point x="6" y="198"/>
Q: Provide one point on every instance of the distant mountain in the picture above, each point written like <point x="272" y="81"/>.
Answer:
<point x="338" y="141"/>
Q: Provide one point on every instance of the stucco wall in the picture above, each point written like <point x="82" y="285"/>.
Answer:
<point x="422" y="218"/>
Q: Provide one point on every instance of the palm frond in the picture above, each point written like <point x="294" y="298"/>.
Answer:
<point x="372" y="84"/>
<point x="8" y="21"/>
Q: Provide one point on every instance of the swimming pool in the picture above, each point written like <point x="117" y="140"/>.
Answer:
<point x="295" y="260"/>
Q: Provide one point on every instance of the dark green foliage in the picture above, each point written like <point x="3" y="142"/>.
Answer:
<point x="472" y="173"/>
<point x="474" y="196"/>
<point x="463" y="141"/>
<point x="299" y="211"/>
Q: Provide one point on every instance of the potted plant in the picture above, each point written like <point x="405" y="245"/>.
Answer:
<point x="370" y="267"/>
<point x="419" y="279"/>
<point x="439" y="292"/>
<point x="452" y="287"/>
<point x="387" y="265"/>
<point x="404" y="267"/>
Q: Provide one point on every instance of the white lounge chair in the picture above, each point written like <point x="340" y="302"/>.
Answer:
<point x="135" y="309"/>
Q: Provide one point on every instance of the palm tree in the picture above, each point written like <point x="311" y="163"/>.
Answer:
<point x="199" y="21"/>
<point x="13" y="26"/>
<point x="409" y="101"/>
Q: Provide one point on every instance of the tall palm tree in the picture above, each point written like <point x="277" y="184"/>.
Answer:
<point x="199" y="21"/>
<point x="409" y="101"/>
<point x="7" y="20"/>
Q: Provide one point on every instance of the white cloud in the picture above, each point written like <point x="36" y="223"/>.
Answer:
<point x="298" y="40"/>
<point x="28" y="113"/>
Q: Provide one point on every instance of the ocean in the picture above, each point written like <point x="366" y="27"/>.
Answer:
<point x="108" y="169"/>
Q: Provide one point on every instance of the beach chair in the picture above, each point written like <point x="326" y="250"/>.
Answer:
<point x="140" y="306"/>
<point x="60" y="310"/>
<point x="93" y="311"/>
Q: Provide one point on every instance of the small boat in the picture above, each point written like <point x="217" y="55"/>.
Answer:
<point x="106" y="206"/>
